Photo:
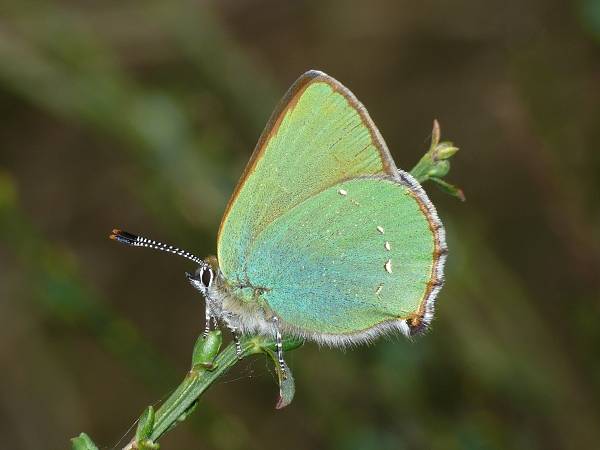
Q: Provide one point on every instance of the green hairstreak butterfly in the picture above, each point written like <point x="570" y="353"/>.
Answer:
<point x="324" y="237"/>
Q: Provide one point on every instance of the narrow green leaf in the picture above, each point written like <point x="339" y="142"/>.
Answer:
<point x="206" y="350"/>
<point x="145" y="424"/>
<point x="83" y="442"/>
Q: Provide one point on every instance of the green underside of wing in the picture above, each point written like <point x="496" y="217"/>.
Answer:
<point x="319" y="140"/>
<point x="323" y="263"/>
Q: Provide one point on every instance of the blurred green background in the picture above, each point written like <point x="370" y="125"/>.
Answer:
<point x="141" y="115"/>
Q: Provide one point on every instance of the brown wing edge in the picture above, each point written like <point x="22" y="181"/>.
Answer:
<point x="421" y="319"/>
<point x="288" y="100"/>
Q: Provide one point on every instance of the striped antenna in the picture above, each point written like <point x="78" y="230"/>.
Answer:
<point x="138" y="241"/>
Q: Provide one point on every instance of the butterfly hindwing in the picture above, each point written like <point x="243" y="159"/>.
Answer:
<point x="349" y="258"/>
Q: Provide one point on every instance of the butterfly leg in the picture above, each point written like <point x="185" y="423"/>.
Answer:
<point x="238" y="346"/>
<point x="279" y="348"/>
<point x="226" y="318"/>
<point x="208" y="317"/>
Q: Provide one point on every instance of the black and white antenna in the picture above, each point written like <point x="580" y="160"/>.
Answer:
<point x="138" y="241"/>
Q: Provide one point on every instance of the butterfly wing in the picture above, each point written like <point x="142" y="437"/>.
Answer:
<point x="350" y="262"/>
<point x="318" y="136"/>
<point x="325" y="230"/>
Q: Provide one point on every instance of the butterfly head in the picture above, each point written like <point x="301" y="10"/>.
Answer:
<point x="204" y="278"/>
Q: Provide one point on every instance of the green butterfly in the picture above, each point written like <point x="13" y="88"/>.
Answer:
<point x="324" y="237"/>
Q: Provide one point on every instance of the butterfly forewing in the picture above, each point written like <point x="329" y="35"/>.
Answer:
<point x="319" y="136"/>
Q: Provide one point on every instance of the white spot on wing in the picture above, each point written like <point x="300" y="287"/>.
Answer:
<point x="378" y="290"/>
<point x="342" y="192"/>
<point x="388" y="266"/>
<point x="380" y="229"/>
<point x="387" y="246"/>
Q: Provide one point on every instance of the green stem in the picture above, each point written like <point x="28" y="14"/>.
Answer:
<point x="197" y="381"/>
<point x="421" y="169"/>
<point x="435" y="164"/>
<point x="194" y="385"/>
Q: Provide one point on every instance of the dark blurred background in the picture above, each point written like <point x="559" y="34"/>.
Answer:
<point x="141" y="115"/>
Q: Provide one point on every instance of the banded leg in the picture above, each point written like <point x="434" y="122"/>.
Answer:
<point x="279" y="348"/>
<point x="238" y="346"/>
<point x="207" y="328"/>
<point x="226" y="317"/>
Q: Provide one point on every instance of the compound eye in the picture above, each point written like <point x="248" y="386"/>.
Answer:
<point x="206" y="276"/>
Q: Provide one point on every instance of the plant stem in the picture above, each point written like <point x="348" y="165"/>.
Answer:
<point x="181" y="403"/>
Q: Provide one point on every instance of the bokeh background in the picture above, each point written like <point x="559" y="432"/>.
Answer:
<point x="141" y="115"/>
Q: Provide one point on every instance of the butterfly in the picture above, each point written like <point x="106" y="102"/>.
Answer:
<point x="324" y="238"/>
